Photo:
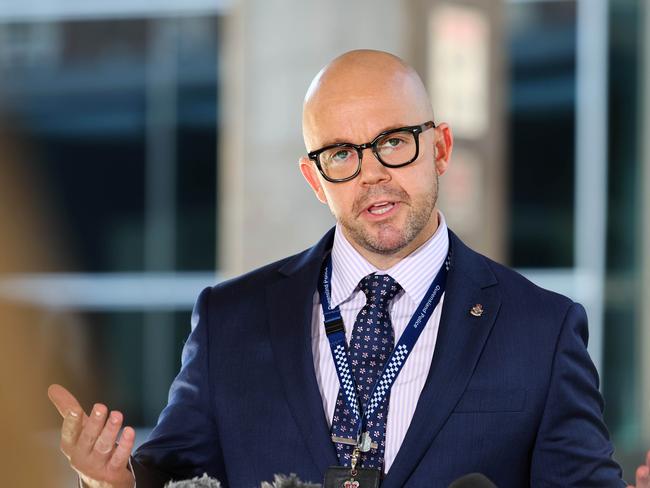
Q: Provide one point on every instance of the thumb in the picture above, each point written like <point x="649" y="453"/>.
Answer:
<point x="63" y="400"/>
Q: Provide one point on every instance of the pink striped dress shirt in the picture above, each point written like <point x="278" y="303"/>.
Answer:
<point x="414" y="273"/>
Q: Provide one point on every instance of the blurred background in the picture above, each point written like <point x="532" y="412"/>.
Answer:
<point x="150" y="148"/>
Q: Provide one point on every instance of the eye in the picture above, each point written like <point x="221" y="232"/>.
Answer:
<point x="338" y="156"/>
<point x="341" y="155"/>
<point x="392" y="142"/>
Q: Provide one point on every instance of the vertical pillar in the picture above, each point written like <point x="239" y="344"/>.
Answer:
<point x="465" y="66"/>
<point x="591" y="165"/>
<point x="644" y="227"/>
<point x="160" y="204"/>
<point x="233" y="136"/>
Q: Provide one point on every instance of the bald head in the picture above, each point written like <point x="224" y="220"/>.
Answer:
<point x="363" y="79"/>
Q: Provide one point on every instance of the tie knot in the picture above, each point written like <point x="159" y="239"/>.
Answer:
<point x="379" y="288"/>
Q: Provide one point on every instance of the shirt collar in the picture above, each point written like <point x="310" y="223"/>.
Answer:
<point x="414" y="273"/>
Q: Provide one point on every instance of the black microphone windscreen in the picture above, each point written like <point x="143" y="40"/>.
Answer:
<point x="473" y="480"/>
<point x="280" y="481"/>
<point x="291" y="481"/>
<point x="203" y="482"/>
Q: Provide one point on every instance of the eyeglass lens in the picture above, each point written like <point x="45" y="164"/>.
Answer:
<point x="393" y="149"/>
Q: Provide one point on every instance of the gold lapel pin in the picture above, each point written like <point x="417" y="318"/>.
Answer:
<point x="477" y="310"/>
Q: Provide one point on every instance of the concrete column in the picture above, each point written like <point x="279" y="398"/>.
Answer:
<point x="271" y="51"/>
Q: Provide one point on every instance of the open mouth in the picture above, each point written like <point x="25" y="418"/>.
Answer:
<point x="380" y="208"/>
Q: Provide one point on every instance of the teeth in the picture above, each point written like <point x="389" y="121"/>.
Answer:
<point x="381" y="208"/>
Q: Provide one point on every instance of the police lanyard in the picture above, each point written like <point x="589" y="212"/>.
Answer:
<point x="336" y="335"/>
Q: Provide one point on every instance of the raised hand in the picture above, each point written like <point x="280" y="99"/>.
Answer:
<point x="89" y="442"/>
<point x="643" y="474"/>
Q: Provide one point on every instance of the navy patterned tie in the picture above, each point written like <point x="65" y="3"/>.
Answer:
<point x="370" y="346"/>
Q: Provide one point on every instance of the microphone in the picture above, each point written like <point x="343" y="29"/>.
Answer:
<point x="291" y="481"/>
<point x="203" y="482"/>
<point x="473" y="480"/>
<point x="280" y="481"/>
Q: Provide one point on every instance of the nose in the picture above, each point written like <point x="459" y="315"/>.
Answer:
<point x="372" y="171"/>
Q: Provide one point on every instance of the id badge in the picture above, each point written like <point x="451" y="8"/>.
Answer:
<point x="340" y="477"/>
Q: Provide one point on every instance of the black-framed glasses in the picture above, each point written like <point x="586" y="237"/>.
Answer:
<point x="393" y="148"/>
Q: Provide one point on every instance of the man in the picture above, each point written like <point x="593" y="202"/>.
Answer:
<point x="495" y="379"/>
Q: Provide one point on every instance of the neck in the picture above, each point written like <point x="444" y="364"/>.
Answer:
<point x="385" y="261"/>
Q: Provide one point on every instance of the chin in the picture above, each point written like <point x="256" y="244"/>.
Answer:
<point x="386" y="248"/>
<point x="385" y="241"/>
<point x="384" y="238"/>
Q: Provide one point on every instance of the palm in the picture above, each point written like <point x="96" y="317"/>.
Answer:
<point x="89" y="442"/>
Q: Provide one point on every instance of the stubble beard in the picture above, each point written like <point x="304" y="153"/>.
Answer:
<point x="385" y="238"/>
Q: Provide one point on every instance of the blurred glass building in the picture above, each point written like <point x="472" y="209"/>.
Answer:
<point x="162" y="138"/>
<point x="115" y="107"/>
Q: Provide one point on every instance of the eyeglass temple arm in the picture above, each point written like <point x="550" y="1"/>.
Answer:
<point x="428" y="124"/>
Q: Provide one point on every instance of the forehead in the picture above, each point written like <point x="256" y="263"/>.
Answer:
<point x="359" y="117"/>
<point x="354" y="101"/>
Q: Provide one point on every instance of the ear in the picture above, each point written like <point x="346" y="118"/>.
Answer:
<point x="311" y="175"/>
<point x="442" y="146"/>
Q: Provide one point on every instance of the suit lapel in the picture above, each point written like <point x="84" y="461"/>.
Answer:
<point x="461" y="337"/>
<point x="290" y="305"/>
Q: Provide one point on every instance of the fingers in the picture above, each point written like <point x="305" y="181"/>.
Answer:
<point x="643" y="474"/>
<point x="93" y="428"/>
<point x="123" y="450"/>
<point x="106" y="440"/>
<point x="642" y="477"/>
<point x="63" y="400"/>
<point x="89" y="442"/>
<point x="72" y="425"/>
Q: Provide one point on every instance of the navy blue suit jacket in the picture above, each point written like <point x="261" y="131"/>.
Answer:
<point x="512" y="394"/>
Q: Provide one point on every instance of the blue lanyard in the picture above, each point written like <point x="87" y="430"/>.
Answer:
<point x="336" y="335"/>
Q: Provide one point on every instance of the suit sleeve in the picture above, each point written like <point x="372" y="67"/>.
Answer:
<point x="572" y="448"/>
<point x="185" y="442"/>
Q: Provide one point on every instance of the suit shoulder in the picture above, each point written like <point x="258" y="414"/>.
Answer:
<point x="514" y="287"/>
<point x="533" y="313"/>
<point x="519" y="289"/>
<point x="252" y="282"/>
<point x="258" y="278"/>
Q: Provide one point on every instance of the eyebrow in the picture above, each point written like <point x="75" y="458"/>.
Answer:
<point x="339" y="140"/>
